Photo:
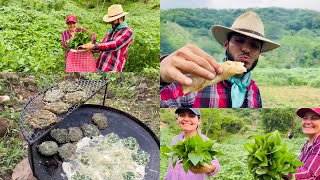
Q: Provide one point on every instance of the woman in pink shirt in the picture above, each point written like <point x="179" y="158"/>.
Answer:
<point x="189" y="120"/>
<point x="72" y="24"/>
<point x="310" y="153"/>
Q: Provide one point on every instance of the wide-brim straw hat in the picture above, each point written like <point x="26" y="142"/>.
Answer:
<point x="248" y="24"/>
<point x="114" y="12"/>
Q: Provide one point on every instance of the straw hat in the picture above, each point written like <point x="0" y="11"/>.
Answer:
<point x="248" y="24"/>
<point x="114" y="12"/>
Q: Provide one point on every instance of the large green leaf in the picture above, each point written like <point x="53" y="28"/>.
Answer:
<point x="194" y="158"/>
<point x="193" y="150"/>
<point x="269" y="158"/>
<point x="186" y="165"/>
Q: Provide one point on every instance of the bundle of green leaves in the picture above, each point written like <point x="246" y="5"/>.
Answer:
<point x="192" y="151"/>
<point x="79" y="38"/>
<point x="269" y="158"/>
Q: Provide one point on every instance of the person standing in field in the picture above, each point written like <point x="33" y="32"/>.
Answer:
<point x="310" y="153"/>
<point x="72" y="24"/>
<point x="243" y="42"/>
<point x="189" y="120"/>
<point x="114" y="46"/>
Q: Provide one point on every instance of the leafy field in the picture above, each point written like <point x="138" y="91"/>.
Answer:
<point x="287" y="96"/>
<point x="30" y="32"/>
<point x="233" y="161"/>
<point x="134" y="93"/>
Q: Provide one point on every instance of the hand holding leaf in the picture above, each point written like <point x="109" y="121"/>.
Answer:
<point x="205" y="168"/>
<point x="80" y="38"/>
<point x="193" y="151"/>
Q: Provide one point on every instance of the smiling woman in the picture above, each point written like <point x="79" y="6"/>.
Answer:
<point x="189" y="120"/>
<point x="310" y="153"/>
<point x="77" y="61"/>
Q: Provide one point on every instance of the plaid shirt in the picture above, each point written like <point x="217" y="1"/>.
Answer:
<point x="311" y="159"/>
<point x="216" y="96"/>
<point x="66" y="35"/>
<point x="114" y="49"/>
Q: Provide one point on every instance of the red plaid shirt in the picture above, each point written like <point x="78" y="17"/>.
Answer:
<point x="216" y="96"/>
<point x="66" y="35"/>
<point x="114" y="49"/>
<point x="311" y="159"/>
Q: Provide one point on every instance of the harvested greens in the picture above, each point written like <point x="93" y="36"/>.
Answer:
<point x="269" y="158"/>
<point x="80" y="38"/>
<point x="192" y="151"/>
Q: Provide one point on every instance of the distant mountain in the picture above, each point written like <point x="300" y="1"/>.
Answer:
<point x="298" y="32"/>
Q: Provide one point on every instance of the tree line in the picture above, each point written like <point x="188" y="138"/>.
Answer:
<point x="299" y="37"/>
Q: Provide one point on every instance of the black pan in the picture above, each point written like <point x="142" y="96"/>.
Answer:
<point x="121" y="123"/>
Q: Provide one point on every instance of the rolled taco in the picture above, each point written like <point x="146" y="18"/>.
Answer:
<point x="230" y="68"/>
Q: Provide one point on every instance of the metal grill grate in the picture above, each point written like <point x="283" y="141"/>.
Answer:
<point x="36" y="103"/>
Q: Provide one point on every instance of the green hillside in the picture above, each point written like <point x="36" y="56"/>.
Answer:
<point x="30" y="32"/>
<point x="299" y="37"/>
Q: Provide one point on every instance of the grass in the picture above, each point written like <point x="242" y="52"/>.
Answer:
<point x="294" y="77"/>
<point x="289" y="97"/>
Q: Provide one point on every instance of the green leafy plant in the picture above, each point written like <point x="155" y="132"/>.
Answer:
<point x="192" y="151"/>
<point x="269" y="158"/>
<point x="80" y="38"/>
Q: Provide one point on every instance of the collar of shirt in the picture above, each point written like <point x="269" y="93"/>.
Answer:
<point x="122" y="25"/>
<point x="315" y="141"/>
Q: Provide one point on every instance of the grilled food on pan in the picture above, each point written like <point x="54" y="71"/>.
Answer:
<point x="230" y="68"/>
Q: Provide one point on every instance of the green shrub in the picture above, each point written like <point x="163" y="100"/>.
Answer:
<point x="314" y="83"/>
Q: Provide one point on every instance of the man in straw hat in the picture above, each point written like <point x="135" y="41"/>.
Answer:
<point x="243" y="42"/>
<point x="114" y="46"/>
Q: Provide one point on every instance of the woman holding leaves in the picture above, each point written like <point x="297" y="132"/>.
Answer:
<point x="189" y="120"/>
<point x="72" y="24"/>
<point x="310" y="153"/>
<point x="77" y="60"/>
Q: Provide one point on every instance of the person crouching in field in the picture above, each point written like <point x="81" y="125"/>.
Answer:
<point x="189" y="120"/>
<point x="114" y="46"/>
<point x="310" y="153"/>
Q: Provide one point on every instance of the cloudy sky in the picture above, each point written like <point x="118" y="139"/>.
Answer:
<point x="236" y="4"/>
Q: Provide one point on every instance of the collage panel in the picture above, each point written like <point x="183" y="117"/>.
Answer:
<point x="79" y="126"/>
<point x="267" y="58"/>
<point x="79" y="36"/>
<point x="228" y="144"/>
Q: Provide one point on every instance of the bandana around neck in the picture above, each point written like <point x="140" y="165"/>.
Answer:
<point x="122" y="25"/>
<point x="238" y="88"/>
